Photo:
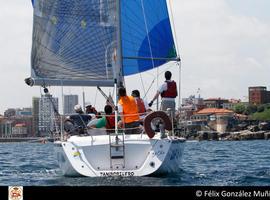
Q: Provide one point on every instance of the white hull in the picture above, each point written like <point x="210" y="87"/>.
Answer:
<point x="93" y="156"/>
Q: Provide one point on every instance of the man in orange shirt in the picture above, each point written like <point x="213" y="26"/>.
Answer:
<point x="129" y="112"/>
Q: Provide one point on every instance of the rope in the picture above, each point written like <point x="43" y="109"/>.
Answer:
<point x="147" y="31"/>
<point x="142" y="85"/>
<point x="95" y="98"/>
<point x="177" y="52"/>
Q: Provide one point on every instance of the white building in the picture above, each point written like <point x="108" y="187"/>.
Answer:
<point x="69" y="102"/>
<point x="23" y="111"/>
<point x="48" y="106"/>
<point x="192" y="100"/>
<point x="19" y="130"/>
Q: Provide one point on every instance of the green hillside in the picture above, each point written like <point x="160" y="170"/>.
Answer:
<point x="265" y="115"/>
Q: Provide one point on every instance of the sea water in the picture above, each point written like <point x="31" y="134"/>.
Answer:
<point x="208" y="163"/>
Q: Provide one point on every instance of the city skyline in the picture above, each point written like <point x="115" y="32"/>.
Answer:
<point x="224" y="47"/>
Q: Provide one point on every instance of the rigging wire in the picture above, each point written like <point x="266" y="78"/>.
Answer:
<point x="149" y="88"/>
<point x="149" y="43"/>
<point x="62" y="125"/>
<point x="95" y="98"/>
<point x="177" y="52"/>
<point x="142" y="85"/>
<point x="162" y="72"/>
<point x="83" y="96"/>
<point x="174" y="30"/>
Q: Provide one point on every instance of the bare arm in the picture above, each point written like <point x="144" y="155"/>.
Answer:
<point x="156" y="96"/>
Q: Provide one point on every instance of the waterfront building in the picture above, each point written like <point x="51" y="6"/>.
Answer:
<point x="48" y="106"/>
<point x="35" y="115"/>
<point x="215" y="102"/>
<point x="19" y="130"/>
<point x="24" y="112"/>
<point x="8" y="123"/>
<point x="258" y="95"/>
<point x="217" y="119"/>
<point x="189" y="106"/>
<point x="69" y="102"/>
<point x="10" y="112"/>
<point x="231" y="104"/>
<point x="5" y="128"/>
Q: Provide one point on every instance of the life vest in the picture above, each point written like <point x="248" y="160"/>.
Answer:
<point x="171" y="91"/>
<point x="110" y="122"/>
<point x="141" y="106"/>
<point x="130" y="109"/>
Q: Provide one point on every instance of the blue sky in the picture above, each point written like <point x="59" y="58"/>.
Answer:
<point x="224" y="46"/>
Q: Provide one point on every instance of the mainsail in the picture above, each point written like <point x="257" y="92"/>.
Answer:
<point x="75" y="42"/>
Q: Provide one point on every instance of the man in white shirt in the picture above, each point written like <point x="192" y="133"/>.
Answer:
<point x="168" y="92"/>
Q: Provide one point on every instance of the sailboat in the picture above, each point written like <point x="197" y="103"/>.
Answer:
<point x="99" y="43"/>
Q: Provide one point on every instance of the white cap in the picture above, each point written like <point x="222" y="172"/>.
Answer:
<point x="77" y="108"/>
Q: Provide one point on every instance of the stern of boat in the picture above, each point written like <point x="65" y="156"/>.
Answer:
<point x="127" y="155"/>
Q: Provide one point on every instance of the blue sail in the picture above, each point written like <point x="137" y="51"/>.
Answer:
<point x="147" y="39"/>
<point x="73" y="42"/>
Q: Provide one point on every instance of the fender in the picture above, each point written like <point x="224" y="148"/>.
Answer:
<point x="158" y="114"/>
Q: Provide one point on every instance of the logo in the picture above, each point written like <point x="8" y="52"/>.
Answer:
<point x="15" y="193"/>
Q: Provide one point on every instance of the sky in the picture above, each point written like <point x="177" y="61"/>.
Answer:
<point x="224" y="46"/>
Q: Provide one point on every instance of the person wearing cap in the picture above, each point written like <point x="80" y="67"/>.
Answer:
<point x="90" y="109"/>
<point x="80" y="119"/>
<point x="78" y="109"/>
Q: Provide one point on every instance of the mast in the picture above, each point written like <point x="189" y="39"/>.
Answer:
<point x="119" y="57"/>
<point x="83" y="95"/>
<point x="118" y="77"/>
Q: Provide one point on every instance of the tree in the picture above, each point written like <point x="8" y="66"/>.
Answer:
<point x="260" y="108"/>
<point x="239" y="108"/>
<point x="251" y="109"/>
